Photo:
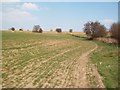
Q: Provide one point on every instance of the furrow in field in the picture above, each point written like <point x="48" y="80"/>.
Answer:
<point x="61" y="76"/>
<point x="60" y="72"/>
<point x="35" y="43"/>
<point x="74" y="75"/>
<point x="36" y="53"/>
<point x="51" y="65"/>
<point x="50" y="58"/>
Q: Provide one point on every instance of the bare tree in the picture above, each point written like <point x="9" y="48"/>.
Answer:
<point x="40" y="30"/>
<point x="88" y="31"/>
<point x="114" y="30"/>
<point x="37" y="28"/>
<point x="94" y="30"/>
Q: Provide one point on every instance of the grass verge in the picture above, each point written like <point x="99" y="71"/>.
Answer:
<point x="106" y="60"/>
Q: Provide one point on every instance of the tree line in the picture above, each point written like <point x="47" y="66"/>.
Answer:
<point x="92" y="29"/>
<point x="38" y="29"/>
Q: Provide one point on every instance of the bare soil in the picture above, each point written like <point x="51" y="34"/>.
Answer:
<point x="78" y="73"/>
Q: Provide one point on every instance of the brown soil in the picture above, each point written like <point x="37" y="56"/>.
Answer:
<point x="78" y="73"/>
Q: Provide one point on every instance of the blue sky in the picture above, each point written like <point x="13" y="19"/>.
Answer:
<point x="50" y="15"/>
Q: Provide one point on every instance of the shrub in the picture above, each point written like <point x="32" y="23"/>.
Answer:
<point x="58" y="30"/>
<point x="13" y="29"/>
<point x="70" y="30"/>
<point x="20" y="29"/>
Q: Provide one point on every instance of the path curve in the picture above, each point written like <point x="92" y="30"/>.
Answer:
<point x="75" y="74"/>
<point x="86" y="68"/>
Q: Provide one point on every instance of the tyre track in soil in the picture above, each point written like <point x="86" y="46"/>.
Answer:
<point x="75" y="73"/>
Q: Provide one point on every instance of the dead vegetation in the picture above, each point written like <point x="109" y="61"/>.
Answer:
<point x="107" y="40"/>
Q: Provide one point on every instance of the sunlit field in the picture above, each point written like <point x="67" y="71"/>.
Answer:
<point x="55" y="60"/>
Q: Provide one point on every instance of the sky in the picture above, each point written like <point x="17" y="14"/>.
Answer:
<point x="50" y="15"/>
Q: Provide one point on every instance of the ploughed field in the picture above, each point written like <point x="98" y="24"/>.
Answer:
<point x="47" y="60"/>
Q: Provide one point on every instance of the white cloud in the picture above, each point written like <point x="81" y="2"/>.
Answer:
<point x="17" y="15"/>
<point x="10" y="0"/>
<point x="29" y="6"/>
<point x="18" y="19"/>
